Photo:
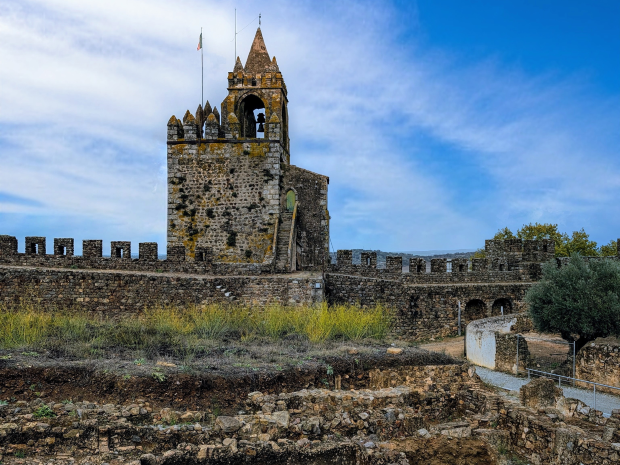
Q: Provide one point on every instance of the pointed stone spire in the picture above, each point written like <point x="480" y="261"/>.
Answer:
<point x="188" y="117"/>
<point x="216" y="114"/>
<point x="207" y="110"/>
<point x="274" y="65"/>
<point x="199" y="115"/>
<point x="238" y="66"/>
<point x="258" y="58"/>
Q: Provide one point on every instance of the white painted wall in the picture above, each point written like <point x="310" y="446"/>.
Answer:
<point x="480" y="338"/>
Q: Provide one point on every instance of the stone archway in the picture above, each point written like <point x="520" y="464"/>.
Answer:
<point x="474" y="310"/>
<point x="496" y="308"/>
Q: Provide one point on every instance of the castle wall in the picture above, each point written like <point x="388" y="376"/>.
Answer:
<point x="170" y="265"/>
<point x="425" y="310"/>
<point x="121" y="292"/>
<point x="439" y="276"/>
<point x="223" y="198"/>
<point x="312" y="215"/>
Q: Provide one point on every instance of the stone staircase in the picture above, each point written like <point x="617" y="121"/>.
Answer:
<point x="284" y="234"/>
<point x="226" y="293"/>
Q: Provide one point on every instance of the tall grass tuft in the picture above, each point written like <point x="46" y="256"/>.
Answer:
<point x="183" y="329"/>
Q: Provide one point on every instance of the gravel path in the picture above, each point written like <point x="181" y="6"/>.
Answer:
<point x="604" y="402"/>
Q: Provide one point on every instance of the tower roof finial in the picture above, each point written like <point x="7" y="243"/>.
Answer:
<point x="258" y="59"/>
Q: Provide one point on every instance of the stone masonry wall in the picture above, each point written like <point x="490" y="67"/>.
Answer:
<point x="224" y="196"/>
<point x="175" y="262"/>
<point x="424" y="310"/>
<point x="312" y="215"/>
<point x="599" y="363"/>
<point x="118" y="292"/>
<point x="506" y="353"/>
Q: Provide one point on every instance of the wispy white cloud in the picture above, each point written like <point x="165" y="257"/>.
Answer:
<point x="91" y="85"/>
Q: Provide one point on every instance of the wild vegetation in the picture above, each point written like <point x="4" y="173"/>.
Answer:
<point x="182" y="330"/>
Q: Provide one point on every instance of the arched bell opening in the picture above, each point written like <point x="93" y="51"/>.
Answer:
<point x="252" y="117"/>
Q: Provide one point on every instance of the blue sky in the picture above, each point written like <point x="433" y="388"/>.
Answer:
<point x="438" y="122"/>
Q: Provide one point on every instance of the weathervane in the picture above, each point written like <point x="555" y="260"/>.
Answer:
<point x="259" y="20"/>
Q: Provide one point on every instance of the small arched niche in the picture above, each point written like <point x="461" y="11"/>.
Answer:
<point x="474" y="310"/>
<point x="251" y="112"/>
<point x="290" y="200"/>
<point x="501" y="306"/>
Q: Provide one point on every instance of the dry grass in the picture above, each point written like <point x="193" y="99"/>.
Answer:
<point x="183" y="331"/>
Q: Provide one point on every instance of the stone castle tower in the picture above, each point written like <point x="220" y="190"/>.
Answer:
<point x="233" y="195"/>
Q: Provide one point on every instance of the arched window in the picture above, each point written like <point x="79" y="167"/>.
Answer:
<point x="249" y="113"/>
<point x="290" y="200"/>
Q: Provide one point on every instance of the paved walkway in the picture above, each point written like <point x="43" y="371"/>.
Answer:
<point x="604" y="402"/>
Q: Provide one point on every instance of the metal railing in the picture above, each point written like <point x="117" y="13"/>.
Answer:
<point x="551" y="375"/>
<point x="553" y="341"/>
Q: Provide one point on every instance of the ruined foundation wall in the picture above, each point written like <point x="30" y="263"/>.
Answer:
<point x="599" y="363"/>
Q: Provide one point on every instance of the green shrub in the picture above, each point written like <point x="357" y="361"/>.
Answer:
<point x="44" y="411"/>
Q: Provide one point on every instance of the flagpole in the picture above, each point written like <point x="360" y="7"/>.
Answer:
<point x="202" y="67"/>
<point x="235" y="36"/>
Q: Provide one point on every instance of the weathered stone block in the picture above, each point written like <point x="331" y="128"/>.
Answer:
<point x="35" y="245"/>
<point x="120" y="250"/>
<point x="92" y="248"/>
<point x="63" y="247"/>
<point x="147" y="251"/>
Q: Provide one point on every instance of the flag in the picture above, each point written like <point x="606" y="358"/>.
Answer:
<point x="199" y="42"/>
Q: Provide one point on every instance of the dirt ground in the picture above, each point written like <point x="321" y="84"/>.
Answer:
<point x="219" y="381"/>
<point x="454" y="346"/>
<point x="444" y="451"/>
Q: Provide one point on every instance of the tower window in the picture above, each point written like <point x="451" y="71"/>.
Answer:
<point x="254" y="82"/>
<point x="290" y="200"/>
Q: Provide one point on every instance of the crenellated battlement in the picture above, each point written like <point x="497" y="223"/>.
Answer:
<point x="506" y="261"/>
<point x="177" y="260"/>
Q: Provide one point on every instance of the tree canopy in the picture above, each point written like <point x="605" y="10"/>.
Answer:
<point x="581" y="300"/>
<point x="578" y="242"/>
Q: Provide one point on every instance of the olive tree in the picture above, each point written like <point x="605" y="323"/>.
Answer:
<point x="581" y="300"/>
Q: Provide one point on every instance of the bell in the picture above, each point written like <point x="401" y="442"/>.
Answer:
<point x="260" y="120"/>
